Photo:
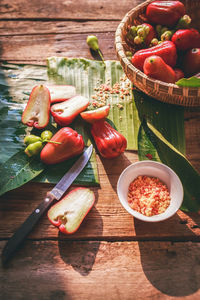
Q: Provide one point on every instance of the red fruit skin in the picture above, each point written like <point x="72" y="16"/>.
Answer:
<point x="98" y="114"/>
<point x="165" y="12"/>
<point x="186" y="39"/>
<point x="71" y="145"/>
<point x="109" y="141"/>
<point x="179" y="74"/>
<point x="155" y="67"/>
<point x="191" y="62"/>
<point x="166" y="50"/>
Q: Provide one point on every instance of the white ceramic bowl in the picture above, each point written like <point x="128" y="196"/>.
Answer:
<point x="154" y="169"/>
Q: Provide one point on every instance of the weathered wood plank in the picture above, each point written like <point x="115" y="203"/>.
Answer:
<point x="66" y="9"/>
<point x="102" y="270"/>
<point x="25" y="28"/>
<point x="36" y="48"/>
<point x="106" y="220"/>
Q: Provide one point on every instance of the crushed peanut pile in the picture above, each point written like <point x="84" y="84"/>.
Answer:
<point x="104" y="91"/>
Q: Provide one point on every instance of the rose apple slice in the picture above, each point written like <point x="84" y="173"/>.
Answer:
<point x="65" y="112"/>
<point x="37" y="110"/>
<point x="98" y="114"/>
<point x="61" y="92"/>
<point x="70" y="211"/>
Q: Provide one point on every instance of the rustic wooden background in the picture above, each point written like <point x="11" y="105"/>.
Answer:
<point x="112" y="255"/>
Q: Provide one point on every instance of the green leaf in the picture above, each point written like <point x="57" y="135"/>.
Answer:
<point x="16" y="83"/>
<point x="189" y="82"/>
<point x="88" y="176"/>
<point x="152" y="141"/>
<point x="167" y="118"/>
<point x="18" y="170"/>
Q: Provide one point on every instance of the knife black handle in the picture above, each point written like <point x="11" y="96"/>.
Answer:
<point x="18" y="237"/>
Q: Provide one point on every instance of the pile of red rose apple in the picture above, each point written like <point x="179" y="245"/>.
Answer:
<point x="166" y="47"/>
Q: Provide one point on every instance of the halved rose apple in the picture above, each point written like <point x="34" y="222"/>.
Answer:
<point x="70" y="211"/>
<point x="61" y="92"/>
<point x="98" y="114"/>
<point x="37" y="110"/>
<point x="65" y="112"/>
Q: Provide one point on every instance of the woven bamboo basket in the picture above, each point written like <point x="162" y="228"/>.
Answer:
<point x="165" y="92"/>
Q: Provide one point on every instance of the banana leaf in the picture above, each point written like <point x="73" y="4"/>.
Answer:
<point x="18" y="170"/>
<point x="166" y="118"/>
<point x="152" y="144"/>
<point x="16" y="83"/>
<point x="87" y="76"/>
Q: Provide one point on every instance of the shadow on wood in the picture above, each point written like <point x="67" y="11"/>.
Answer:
<point x="81" y="255"/>
<point x="171" y="267"/>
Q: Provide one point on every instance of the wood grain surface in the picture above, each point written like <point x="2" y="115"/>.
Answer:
<point x="103" y="270"/>
<point x="112" y="255"/>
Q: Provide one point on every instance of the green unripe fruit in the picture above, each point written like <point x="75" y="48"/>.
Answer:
<point x="30" y="139"/>
<point x="33" y="149"/>
<point x="166" y="36"/>
<point x="138" y="27"/>
<point x="147" y="29"/>
<point x="184" y="22"/>
<point x="141" y="32"/>
<point x="138" y="40"/>
<point x="46" y="135"/>
<point x="129" y="53"/>
<point x="154" y="42"/>
<point x="133" y="31"/>
<point x="92" y="42"/>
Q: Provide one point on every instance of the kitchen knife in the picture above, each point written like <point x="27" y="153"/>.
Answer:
<point x="56" y="193"/>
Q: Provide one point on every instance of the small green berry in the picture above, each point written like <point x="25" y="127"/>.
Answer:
<point x="33" y="149"/>
<point x="154" y="42"/>
<point x="129" y="53"/>
<point x="184" y="22"/>
<point x="138" y="40"/>
<point x="92" y="42"/>
<point x="141" y="32"/>
<point x="46" y="135"/>
<point x="147" y="29"/>
<point x="30" y="139"/>
<point x="133" y="31"/>
<point x="166" y="36"/>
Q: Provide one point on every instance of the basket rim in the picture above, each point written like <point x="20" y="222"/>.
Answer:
<point x="130" y="66"/>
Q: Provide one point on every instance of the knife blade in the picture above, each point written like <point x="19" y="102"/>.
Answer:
<point x="56" y="193"/>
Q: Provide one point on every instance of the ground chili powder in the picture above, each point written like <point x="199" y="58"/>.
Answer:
<point x="148" y="195"/>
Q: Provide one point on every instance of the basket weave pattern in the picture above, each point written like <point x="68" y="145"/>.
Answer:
<point x="165" y="92"/>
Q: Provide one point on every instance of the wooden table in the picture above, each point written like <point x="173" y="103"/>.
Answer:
<point x="112" y="255"/>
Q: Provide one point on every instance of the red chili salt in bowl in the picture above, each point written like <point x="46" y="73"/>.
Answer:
<point x="151" y="169"/>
